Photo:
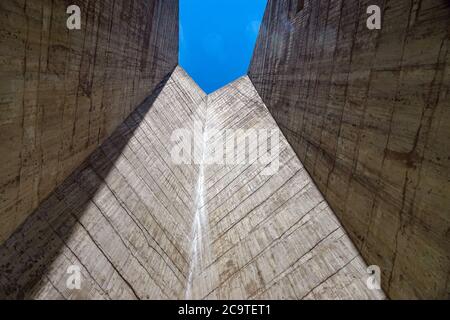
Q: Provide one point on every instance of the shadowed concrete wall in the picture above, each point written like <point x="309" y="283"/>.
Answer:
<point x="368" y="114"/>
<point x="124" y="217"/>
<point x="62" y="93"/>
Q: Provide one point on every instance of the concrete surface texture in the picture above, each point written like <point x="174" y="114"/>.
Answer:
<point x="267" y="236"/>
<point x="62" y="93"/>
<point x="124" y="217"/>
<point x="88" y="177"/>
<point x="142" y="227"/>
<point x="368" y="113"/>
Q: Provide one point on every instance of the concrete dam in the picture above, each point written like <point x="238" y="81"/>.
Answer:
<point x="361" y="165"/>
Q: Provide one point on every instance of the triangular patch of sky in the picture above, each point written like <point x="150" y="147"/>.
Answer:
<point x="217" y="38"/>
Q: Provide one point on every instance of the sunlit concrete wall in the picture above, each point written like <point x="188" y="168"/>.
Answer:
<point x="265" y="234"/>
<point x="62" y="93"/>
<point x="368" y="113"/>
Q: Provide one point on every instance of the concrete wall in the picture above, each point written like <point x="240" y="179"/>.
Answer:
<point x="141" y="226"/>
<point x="368" y="113"/>
<point x="62" y="93"/>
<point x="124" y="217"/>
<point x="266" y="236"/>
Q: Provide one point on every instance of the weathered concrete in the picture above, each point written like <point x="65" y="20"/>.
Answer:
<point x="62" y="93"/>
<point x="141" y="226"/>
<point x="368" y="114"/>
<point x="267" y="236"/>
<point x="124" y="216"/>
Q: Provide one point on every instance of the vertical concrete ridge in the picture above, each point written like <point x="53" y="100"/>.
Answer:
<point x="200" y="223"/>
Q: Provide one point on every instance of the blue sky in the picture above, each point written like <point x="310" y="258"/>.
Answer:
<point x="217" y="38"/>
